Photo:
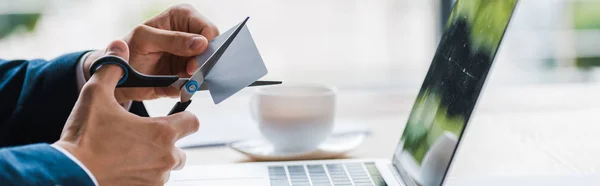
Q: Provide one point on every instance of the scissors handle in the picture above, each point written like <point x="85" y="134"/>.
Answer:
<point x="179" y="107"/>
<point x="131" y="77"/>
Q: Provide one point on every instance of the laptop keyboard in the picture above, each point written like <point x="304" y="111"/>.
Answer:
<point x="348" y="174"/>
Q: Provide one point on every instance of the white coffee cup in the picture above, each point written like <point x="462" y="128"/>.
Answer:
<point x="294" y="118"/>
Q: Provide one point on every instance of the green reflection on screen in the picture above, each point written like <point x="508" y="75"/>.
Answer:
<point x="451" y="88"/>
<point x="488" y="19"/>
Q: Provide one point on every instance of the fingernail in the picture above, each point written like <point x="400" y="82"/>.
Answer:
<point x="114" y="50"/>
<point x="197" y="42"/>
<point x="191" y="67"/>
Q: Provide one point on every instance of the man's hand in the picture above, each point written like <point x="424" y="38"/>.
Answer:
<point x="164" y="45"/>
<point x="118" y="147"/>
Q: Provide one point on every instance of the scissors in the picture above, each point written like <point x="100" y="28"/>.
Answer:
<point x="187" y="86"/>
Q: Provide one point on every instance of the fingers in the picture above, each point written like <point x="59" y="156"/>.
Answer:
<point x="191" y="66"/>
<point x="181" y="156"/>
<point x="107" y="76"/>
<point x="180" y="125"/>
<point x="165" y="177"/>
<point x="166" y="92"/>
<point x="200" y="24"/>
<point x="188" y="18"/>
<point x="151" y="40"/>
<point x="196" y="23"/>
<point x="184" y="124"/>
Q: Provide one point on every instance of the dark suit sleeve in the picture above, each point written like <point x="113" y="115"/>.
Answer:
<point x="39" y="164"/>
<point x="36" y="98"/>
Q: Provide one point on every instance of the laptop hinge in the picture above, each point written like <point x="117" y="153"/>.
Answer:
<point x="394" y="171"/>
<point x="404" y="181"/>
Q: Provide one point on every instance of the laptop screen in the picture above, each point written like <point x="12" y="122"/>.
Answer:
<point x="450" y="90"/>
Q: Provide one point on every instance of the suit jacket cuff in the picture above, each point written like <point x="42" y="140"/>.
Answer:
<point x="74" y="159"/>
<point x="40" y="164"/>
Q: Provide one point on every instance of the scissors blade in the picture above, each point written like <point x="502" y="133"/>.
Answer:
<point x="264" y="83"/>
<point x="256" y="83"/>
<point x="180" y="82"/>
<point x="210" y="63"/>
<point x="201" y="73"/>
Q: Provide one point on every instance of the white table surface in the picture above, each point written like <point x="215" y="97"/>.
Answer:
<point x="535" y="133"/>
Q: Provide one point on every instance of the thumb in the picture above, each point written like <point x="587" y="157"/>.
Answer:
<point x="107" y="76"/>
<point x="99" y="90"/>
<point x="157" y="40"/>
<point x="118" y="48"/>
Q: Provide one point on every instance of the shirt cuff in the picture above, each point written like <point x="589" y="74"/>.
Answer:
<point x="74" y="159"/>
<point x="81" y="78"/>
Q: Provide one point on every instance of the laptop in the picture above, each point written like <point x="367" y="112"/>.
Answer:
<point x="434" y="129"/>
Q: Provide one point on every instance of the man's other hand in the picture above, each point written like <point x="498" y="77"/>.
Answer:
<point x="164" y="45"/>
<point x="118" y="147"/>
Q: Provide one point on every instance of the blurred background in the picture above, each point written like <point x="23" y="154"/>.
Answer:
<point x="536" y="115"/>
<point x="352" y="44"/>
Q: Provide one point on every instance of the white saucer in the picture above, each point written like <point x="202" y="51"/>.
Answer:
<point x="334" y="146"/>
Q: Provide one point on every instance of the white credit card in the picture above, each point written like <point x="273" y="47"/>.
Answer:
<point x="240" y="65"/>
